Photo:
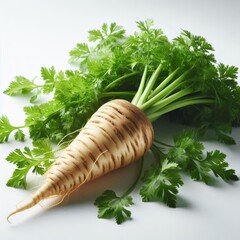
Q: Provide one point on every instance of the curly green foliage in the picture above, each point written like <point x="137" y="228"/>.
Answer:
<point x="111" y="206"/>
<point x="73" y="103"/>
<point x="188" y="152"/>
<point x="37" y="160"/>
<point x="161" y="183"/>
<point x="6" y="128"/>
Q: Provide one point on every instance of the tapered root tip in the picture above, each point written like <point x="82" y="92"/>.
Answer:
<point x="17" y="211"/>
<point x="26" y="206"/>
<point x="40" y="195"/>
<point x="10" y="215"/>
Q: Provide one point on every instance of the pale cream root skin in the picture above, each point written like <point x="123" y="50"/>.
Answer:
<point x="117" y="134"/>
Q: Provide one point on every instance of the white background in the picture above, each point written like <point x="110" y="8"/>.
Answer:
<point x="41" y="33"/>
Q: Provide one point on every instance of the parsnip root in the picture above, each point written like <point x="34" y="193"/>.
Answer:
<point x="118" y="132"/>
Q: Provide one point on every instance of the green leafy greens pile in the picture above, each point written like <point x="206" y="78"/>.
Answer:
<point x="180" y="79"/>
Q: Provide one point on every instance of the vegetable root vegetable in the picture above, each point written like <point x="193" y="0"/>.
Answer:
<point x="180" y="77"/>
<point x="116" y="135"/>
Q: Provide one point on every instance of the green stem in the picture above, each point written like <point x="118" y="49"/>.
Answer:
<point x="120" y="94"/>
<point x="163" y="84"/>
<point x="149" y="85"/>
<point x="165" y="92"/>
<point x="118" y="80"/>
<point x="162" y="103"/>
<point x="141" y="87"/>
<point x="16" y="128"/>
<point x="157" y="153"/>
<point x="132" y="187"/>
<point x="162" y="143"/>
<point x="182" y="103"/>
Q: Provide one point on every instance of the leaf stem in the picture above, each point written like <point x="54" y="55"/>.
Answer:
<point x="120" y="94"/>
<point x="141" y="87"/>
<point x="149" y="85"/>
<point x="132" y="187"/>
<point x="164" y="102"/>
<point x="182" y="103"/>
<point x="118" y="80"/>
<point x="162" y="143"/>
<point x="165" y="92"/>
<point x="163" y="84"/>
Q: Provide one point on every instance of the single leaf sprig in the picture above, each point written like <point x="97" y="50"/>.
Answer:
<point x="38" y="160"/>
<point x="22" y="85"/>
<point x="188" y="152"/>
<point x="6" y="128"/>
<point x="112" y="206"/>
<point x="161" y="183"/>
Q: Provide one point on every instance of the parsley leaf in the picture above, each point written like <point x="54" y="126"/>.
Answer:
<point x="188" y="153"/>
<point x="39" y="159"/>
<point x="6" y="128"/>
<point x="161" y="183"/>
<point x="147" y="46"/>
<point x="111" y="206"/>
<point x="80" y="54"/>
<point x="216" y="162"/>
<point x="107" y="36"/>
<point x="19" y="135"/>
<point x="40" y="118"/>
<point x="49" y="76"/>
<point x="20" y="86"/>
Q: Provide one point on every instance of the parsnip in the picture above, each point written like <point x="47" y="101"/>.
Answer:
<point x="116" y="135"/>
